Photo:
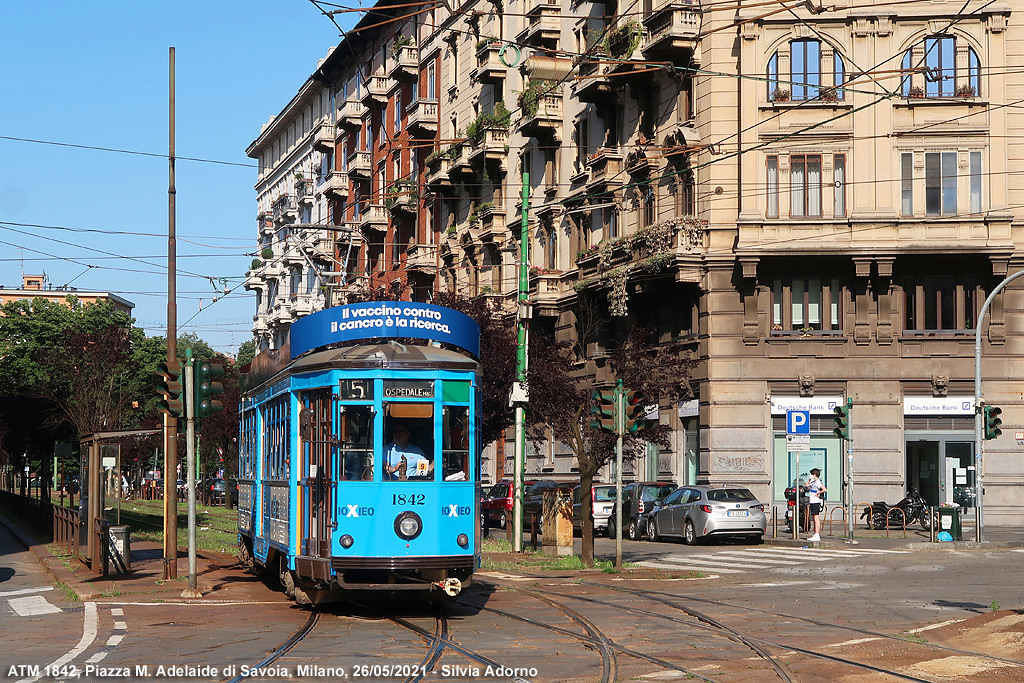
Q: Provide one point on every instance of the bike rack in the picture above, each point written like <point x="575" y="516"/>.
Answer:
<point x="831" y="516"/>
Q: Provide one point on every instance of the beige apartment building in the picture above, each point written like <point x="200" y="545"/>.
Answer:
<point x="815" y="201"/>
<point x="36" y="286"/>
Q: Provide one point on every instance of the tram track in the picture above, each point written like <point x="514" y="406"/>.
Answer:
<point x="302" y="632"/>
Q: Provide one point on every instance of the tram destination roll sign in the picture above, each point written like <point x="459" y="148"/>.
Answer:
<point x="385" y="319"/>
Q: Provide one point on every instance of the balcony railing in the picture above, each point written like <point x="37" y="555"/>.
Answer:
<point x="283" y="207"/>
<point x="323" y="138"/>
<point x="360" y="165"/>
<point x="673" y="30"/>
<point x="374" y="217"/>
<point x="544" y="26"/>
<point x="351" y="115"/>
<point x="492" y="145"/>
<point x="421" y="257"/>
<point x="407" y="63"/>
<point x="422" y="116"/>
<point x="489" y="68"/>
<point x="337" y="183"/>
<point x="304" y="190"/>
<point x="377" y="88"/>
<point x="547" y="119"/>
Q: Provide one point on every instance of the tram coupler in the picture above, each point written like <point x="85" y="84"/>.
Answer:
<point x="451" y="587"/>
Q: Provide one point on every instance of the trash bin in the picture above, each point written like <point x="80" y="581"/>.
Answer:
<point x="949" y="521"/>
<point x="120" y="549"/>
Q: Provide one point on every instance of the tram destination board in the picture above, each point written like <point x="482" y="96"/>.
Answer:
<point x="356" y="389"/>
<point x="408" y="389"/>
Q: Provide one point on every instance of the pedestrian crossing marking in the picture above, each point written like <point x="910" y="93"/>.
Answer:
<point x="741" y="561"/>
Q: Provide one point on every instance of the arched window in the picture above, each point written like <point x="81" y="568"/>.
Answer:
<point x="808" y="78"/>
<point x="935" y="73"/>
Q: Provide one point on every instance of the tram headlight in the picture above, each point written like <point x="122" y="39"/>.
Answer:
<point x="347" y="541"/>
<point x="408" y="525"/>
<point x="463" y="540"/>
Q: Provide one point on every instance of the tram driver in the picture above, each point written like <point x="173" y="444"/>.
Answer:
<point x="403" y="460"/>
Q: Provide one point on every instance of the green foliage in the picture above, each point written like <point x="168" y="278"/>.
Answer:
<point x="400" y="42"/>
<point x="246" y="352"/>
<point x="623" y="40"/>
<point x="529" y="99"/>
<point x="498" y="119"/>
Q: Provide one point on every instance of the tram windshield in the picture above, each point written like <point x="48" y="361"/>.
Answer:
<point x="455" y="443"/>
<point x="356" y="443"/>
<point x="409" y="453"/>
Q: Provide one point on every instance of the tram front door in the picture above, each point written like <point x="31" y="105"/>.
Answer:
<point x="317" y="480"/>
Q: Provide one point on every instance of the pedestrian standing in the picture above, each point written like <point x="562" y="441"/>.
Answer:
<point x="815" y="489"/>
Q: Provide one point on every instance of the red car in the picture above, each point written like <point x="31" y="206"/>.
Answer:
<point x="496" y="509"/>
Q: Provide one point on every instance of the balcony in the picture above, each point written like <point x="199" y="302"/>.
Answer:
<point x="546" y="118"/>
<point x="422" y="117"/>
<point x="360" y="165"/>
<point x="283" y="208"/>
<point x="323" y="137"/>
<point x="462" y="167"/>
<point x="377" y="89"/>
<point x="545" y="290"/>
<point x="673" y="29"/>
<point x="319" y="245"/>
<point x="492" y="223"/>
<point x="437" y="175"/>
<point x="593" y="85"/>
<point x="605" y="163"/>
<point x="421" y="257"/>
<point x="374" y="217"/>
<point x="489" y="68"/>
<point x="265" y="222"/>
<point x="638" y="163"/>
<point x="406" y="65"/>
<point x="350" y="115"/>
<point x="304" y="191"/>
<point x="402" y="197"/>
<point x="491" y="147"/>
<point x="336" y="184"/>
<point x="544" y="26"/>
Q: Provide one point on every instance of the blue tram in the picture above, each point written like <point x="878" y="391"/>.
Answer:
<point x="359" y="457"/>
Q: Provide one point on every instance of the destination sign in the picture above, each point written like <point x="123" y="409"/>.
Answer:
<point x="408" y="389"/>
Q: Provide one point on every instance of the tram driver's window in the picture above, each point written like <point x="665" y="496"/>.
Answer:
<point x="409" y="449"/>
<point x="356" y="436"/>
<point x="455" y="444"/>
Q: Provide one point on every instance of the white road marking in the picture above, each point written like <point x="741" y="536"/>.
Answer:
<point x="120" y="626"/>
<point x="31" y="606"/>
<point x="776" y="584"/>
<point x="856" y="641"/>
<point x="712" y="560"/>
<point x="938" y="625"/>
<point x="114" y="640"/>
<point x="689" y="567"/>
<point x="88" y="635"/>
<point x="25" y="591"/>
<point x="758" y="557"/>
<point x="117" y="612"/>
<point x="96" y="657"/>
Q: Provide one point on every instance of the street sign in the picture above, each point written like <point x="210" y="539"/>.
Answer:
<point x="798" y="440"/>
<point x="798" y="422"/>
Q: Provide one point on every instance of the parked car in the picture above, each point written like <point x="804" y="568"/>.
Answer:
<point x="637" y="500"/>
<point x="604" y="502"/>
<point x="697" y="512"/>
<point x="496" y="509"/>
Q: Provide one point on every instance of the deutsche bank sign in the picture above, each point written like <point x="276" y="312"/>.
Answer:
<point x="798" y="422"/>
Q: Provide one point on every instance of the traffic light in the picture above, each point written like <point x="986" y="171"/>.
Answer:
<point x="636" y="413"/>
<point x="842" y="418"/>
<point x="205" y="389"/>
<point x="992" y="422"/>
<point x="603" y="410"/>
<point x="169" y="387"/>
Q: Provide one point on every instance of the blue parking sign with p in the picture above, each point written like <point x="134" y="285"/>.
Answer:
<point x="798" y="422"/>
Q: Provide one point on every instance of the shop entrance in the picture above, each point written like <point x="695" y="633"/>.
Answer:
<point x="942" y="469"/>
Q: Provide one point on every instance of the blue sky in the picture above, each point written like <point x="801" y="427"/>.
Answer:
<point x="96" y="74"/>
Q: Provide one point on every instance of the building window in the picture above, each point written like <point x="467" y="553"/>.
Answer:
<point x="398" y="113"/>
<point x="772" y="188"/>
<point x="975" y="182"/>
<point x="907" y="184"/>
<point x="943" y="79"/>
<point x="941" y="302"/>
<point x="805" y="185"/>
<point x="806" y="304"/>
<point x="838" y="75"/>
<point x="806" y="68"/>
<point x="940" y="183"/>
<point x="647" y="209"/>
<point x="839" y="185"/>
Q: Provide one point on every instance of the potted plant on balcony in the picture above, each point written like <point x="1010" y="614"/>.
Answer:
<point x="916" y="91"/>
<point x="529" y="99"/>
<point x="780" y="94"/>
<point x="400" y="42"/>
<point x="965" y="90"/>
<point x="625" y="39"/>
<point x="828" y="94"/>
<point x="486" y="42"/>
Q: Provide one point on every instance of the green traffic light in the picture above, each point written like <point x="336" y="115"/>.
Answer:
<point x="842" y="419"/>
<point x="992" y="421"/>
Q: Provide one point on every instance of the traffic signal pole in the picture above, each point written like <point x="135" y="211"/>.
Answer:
<point x="171" y="423"/>
<point x="978" y="408"/>
<point x="190" y="430"/>
<point x="620" y="427"/>
<point x="522" y="338"/>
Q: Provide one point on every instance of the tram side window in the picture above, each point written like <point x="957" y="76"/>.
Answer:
<point x="455" y="444"/>
<point x="356" y="432"/>
<point x="409" y="453"/>
<point x="276" y="419"/>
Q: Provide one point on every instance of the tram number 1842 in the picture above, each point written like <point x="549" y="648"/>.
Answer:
<point x="408" y="499"/>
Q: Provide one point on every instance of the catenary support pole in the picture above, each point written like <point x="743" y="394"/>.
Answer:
<point x="522" y="365"/>
<point x="171" y="423"/>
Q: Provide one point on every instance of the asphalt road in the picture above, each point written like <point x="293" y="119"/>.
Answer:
<point x="723" y="612"/>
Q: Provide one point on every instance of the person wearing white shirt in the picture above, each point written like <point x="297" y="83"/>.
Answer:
<point x="814" y="490"/>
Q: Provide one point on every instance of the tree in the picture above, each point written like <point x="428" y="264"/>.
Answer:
<point x="246" y="352"/>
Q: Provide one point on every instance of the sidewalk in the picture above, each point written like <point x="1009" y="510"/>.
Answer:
<point x="219" y="576"/>
<point x="914" y="538"/>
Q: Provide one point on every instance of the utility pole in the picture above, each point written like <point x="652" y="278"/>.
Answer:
<point x="190" y="430"/>
<point x="519" y="392"/>
<point x="171" y="423"/>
